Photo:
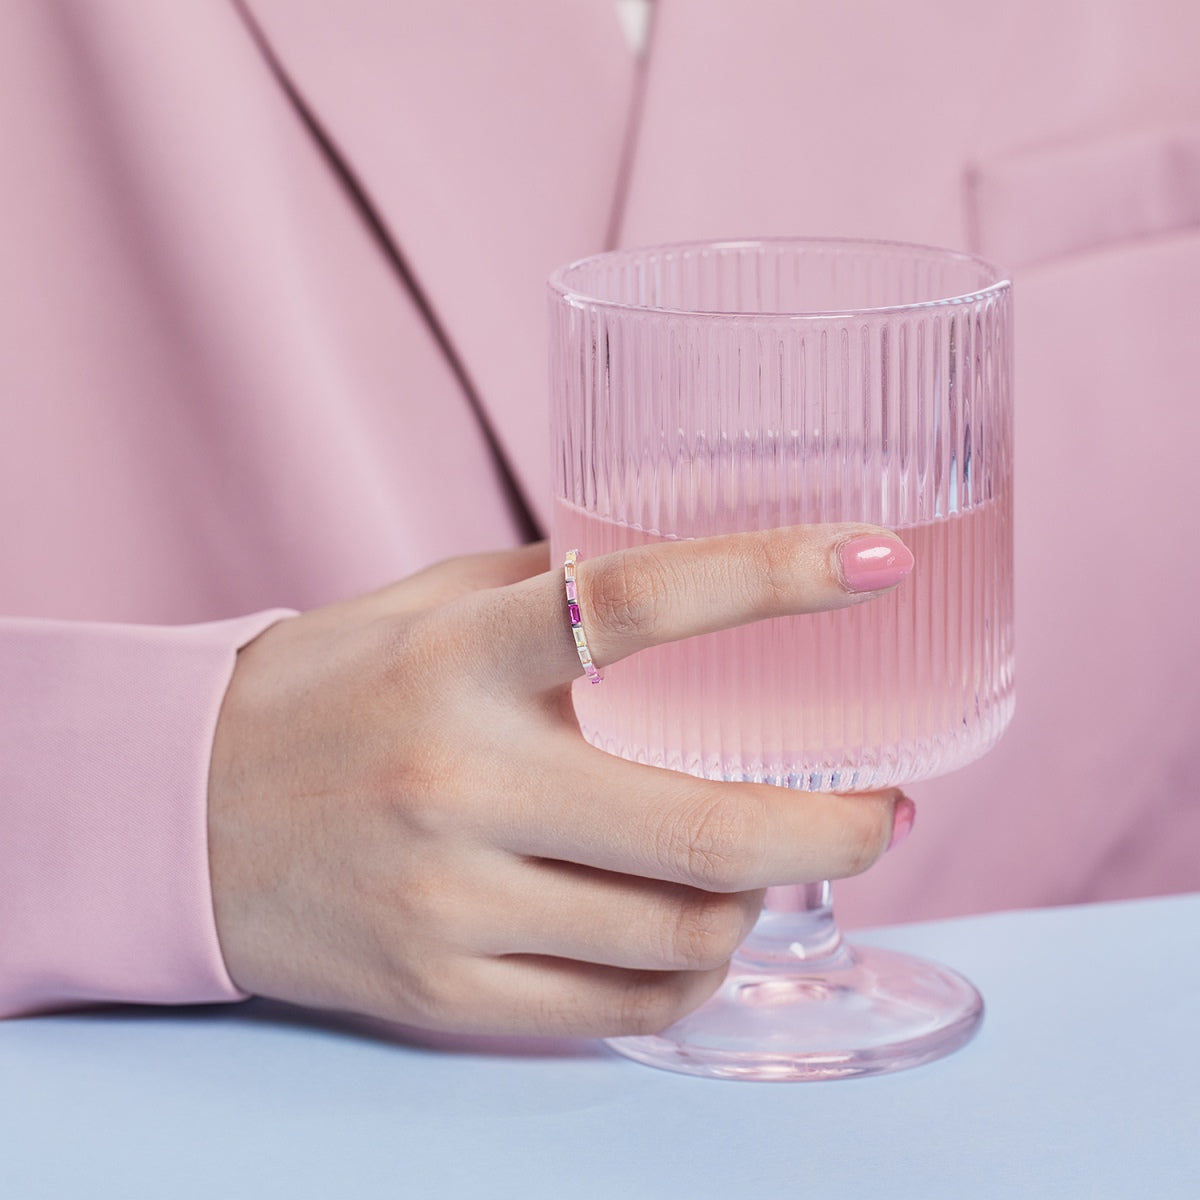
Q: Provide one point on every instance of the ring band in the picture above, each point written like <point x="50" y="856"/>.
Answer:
<point x="585" y="655"/>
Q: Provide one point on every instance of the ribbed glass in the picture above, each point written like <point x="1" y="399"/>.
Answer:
<point x="707" y="388"/>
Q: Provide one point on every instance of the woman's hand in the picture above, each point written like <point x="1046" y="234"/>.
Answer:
<point x="405" y="821"/>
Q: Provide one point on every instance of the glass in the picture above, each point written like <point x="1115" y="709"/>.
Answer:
<point x="713" y="387"/>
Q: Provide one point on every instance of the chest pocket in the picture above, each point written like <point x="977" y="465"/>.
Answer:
<point x="1053" y="202"/>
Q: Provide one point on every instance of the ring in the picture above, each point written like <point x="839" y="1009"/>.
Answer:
<point x="585" y="655"/>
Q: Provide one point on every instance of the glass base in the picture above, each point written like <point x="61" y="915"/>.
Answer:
<point x="856" y="1011"/>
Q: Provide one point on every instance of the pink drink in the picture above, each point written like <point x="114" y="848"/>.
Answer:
<point x="910" y="685"/>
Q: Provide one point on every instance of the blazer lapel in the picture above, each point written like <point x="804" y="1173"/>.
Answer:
<point x="486" y="141"/>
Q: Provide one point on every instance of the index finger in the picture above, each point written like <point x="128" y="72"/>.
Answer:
<point x="666" y="591"/>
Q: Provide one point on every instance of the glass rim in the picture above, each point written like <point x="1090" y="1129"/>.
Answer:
<point x="580" y="298"/>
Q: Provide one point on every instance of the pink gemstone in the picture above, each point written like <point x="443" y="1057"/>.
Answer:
<point x="571" y="590"/>
<point x="573" y="609"/>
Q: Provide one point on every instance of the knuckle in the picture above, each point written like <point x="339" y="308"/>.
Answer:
<point x="418" y="898"/>
<point x="425" y="800"/>
<point x="628" y="595"/>
<point x="408" y="652"/>
<point x="710" y="843"/>
<point x="432" y="997"/>
<point x="429" y="653"/>
<point x="707" y="930"/>
<point x="419" y="806"/>
<point x="648" y="1004"/>
<point x="401" y="637"/>
<point x="775" y="567"/>
<point x="411" y="981"/>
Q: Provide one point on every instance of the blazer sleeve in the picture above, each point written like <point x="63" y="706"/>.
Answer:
<point x="104" y="755"/>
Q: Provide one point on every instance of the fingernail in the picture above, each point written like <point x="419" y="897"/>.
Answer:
<point x="904" y="813"/>
<point x="871" y="563"/>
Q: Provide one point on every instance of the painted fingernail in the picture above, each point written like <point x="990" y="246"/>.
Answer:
<point x="871" y="563"/>
<point x="904" y="813"/>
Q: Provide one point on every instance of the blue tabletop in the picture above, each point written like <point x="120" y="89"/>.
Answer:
<point x="1084" y="1082"/>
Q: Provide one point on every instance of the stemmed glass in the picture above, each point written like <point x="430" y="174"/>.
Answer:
<point x="711" y="387"/>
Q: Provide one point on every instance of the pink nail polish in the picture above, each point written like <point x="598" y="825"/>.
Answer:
<point x="904" y="814"/>
<point x="871" y="563"/>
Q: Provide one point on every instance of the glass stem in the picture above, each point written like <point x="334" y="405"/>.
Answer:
<point x="796" y="931"/>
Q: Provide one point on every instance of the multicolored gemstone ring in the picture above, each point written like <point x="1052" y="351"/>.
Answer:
<point x="585" y="655"/>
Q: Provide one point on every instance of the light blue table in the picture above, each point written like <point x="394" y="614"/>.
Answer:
<point x="1084" y="1083"/>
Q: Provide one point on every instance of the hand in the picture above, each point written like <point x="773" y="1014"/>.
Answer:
<point x="405" y="821"/>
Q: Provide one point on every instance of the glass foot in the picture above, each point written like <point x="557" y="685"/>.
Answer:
<point x="857" y="1011"/>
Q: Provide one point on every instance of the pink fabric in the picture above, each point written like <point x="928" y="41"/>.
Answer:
<point x="1143" y="184"/>
<point x="218" y="395"/>
<point x="227" y="387"/>
<point x="489" y="137"/>
<point x="104" y="893"/>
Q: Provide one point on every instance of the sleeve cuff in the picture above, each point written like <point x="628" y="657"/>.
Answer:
<point x="105" y="745"/>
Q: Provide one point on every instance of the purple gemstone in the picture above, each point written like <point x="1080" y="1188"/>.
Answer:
<point x="573" y="609"/>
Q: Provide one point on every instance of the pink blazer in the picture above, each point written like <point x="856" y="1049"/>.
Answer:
<point x="272" y="279"/>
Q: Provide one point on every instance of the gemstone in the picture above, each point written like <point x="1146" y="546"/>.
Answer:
<point x="571" y="590"/>
<point x="573" y="609"/>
